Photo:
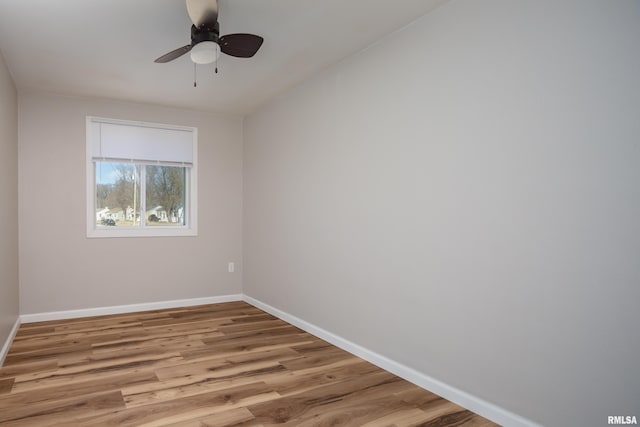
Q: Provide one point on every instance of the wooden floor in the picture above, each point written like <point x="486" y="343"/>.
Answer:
<point x="215" y="365"/>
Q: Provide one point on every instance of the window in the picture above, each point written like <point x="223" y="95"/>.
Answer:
<point x="141" y="179"/>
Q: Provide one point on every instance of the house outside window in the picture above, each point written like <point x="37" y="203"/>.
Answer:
<point x="141" y="179"/>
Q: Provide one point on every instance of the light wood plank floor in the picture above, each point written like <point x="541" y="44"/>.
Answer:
<point x="216" y="365"/>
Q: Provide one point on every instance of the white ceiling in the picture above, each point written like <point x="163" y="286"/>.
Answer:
<point x="106" y="48"/>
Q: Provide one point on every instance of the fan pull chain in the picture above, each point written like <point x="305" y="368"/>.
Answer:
<point x="217" y="64"/>
<point x="194" y="75"/>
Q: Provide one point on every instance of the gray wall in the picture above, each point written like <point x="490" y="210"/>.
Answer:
<point x="61" y="269"/>
<point x="463" y="197"/>
<point x="8" y="203"/>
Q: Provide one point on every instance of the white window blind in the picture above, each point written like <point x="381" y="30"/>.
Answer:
<point x="141" y="143"/>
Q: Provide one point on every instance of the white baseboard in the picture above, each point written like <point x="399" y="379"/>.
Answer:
<point x="7" y="343"/>
<point x="130" y="308"/>
<point x="459" y="397"/>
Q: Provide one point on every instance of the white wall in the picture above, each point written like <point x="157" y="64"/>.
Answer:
<point x="8" y="203"/>
<point x="463" y="197"/>
<point x="61" y="269"/>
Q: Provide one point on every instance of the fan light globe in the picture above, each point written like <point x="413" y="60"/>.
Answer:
<point x="205" y="52"/>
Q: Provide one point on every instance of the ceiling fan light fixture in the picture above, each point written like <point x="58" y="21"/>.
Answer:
<point x="206" y="43"/>
<point x="205" y="52"/>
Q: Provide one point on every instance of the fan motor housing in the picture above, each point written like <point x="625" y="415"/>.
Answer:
<point x="205" y="34"/>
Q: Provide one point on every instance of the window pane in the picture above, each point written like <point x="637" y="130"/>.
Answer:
<point x="165" y="195"/>
<point x="117" y="194"/>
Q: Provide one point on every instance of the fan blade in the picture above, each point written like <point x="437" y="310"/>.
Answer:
<point x="240" y="45"/>
<point x="173" y="54"/>
<point x="203" y="12"/>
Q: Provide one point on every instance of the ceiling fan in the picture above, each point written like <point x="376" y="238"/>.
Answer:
<point x="206" y="43"/>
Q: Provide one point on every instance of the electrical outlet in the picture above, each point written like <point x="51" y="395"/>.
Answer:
<point x="232" y="267"/>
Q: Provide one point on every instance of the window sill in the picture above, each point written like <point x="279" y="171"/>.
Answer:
<point x="108" y="232"/>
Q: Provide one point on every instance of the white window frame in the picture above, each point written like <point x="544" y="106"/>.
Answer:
<point x="191" y="205"/>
